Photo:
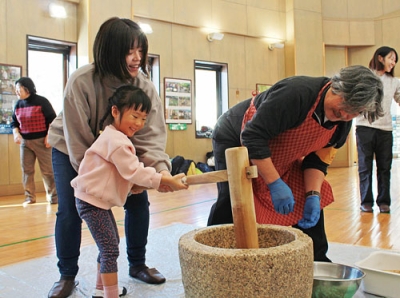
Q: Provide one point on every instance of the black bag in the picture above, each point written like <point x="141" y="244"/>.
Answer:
<point x="180" y="165"/>
<point x="185" y="166"/>
<point x="176" y="163"/>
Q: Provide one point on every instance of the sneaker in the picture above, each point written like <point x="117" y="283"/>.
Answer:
<point x="100" y="293"/>
<point x="28" y="201"/>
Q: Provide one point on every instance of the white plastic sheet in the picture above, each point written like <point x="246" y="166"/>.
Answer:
<point x="34" y="278"/>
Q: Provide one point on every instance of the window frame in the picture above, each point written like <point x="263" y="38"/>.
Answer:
<point x="222" y="103"/>
<point x="68" y="49"/>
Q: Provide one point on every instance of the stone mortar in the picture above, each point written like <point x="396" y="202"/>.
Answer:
<point x="211" y="266"/>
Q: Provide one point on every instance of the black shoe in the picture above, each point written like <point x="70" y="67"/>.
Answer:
<point x="384" y="208"/>
<point x="366" y="208"/>
<point x="146" y="274"/>
<point x="63" y="288"/>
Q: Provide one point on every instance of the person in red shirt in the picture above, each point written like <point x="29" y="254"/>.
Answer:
<point x="30" y="123"/>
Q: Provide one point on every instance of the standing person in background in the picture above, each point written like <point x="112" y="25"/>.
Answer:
<point x="376" y="139"/>
<point x="30" y="123"/>
<point x="107" y="174"/>
<point x="120" y="58"/>
<point x="292" y="132"/>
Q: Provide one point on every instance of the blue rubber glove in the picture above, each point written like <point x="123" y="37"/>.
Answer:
<point x="282" y="197"/>
<point x="311" y="212"/>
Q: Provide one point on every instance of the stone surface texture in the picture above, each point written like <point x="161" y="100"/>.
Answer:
<point x="211" y="266"/>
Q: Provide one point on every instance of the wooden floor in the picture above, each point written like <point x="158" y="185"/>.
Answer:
<point x="28" y="232"/>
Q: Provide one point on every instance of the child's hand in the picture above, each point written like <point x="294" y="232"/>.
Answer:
<point x="175" y="182"/>
<point x="165" y="187"/>
<point x="180" y="182"/>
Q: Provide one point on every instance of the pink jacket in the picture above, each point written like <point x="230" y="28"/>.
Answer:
<point x="109" y="169"/>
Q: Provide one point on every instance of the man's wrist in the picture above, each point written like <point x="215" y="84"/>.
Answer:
<point x="313" y="193"/>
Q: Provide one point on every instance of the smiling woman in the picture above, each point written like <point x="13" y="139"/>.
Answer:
<point x="74" y="130"/>
<point x="375" y="140"/>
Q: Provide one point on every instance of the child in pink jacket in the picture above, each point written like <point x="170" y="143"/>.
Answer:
<point x="109" y="170"/>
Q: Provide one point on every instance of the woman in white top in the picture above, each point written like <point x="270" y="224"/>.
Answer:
<point x="376" y="139"/>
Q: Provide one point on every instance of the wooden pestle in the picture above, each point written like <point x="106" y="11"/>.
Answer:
<point x="242" y="201"/>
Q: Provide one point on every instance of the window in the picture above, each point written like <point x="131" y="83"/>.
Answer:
<point x="211" y="95"/>
<point x="50" y="62"/>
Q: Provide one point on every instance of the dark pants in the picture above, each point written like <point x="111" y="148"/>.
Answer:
<point x="318" y="236"/>
<point x="226" y="135"/>
<point x="69" y="224"/>
<point x="376" y="143"/>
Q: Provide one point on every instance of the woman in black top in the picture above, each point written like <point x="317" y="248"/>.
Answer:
<point x="30" y="122"/>
<point x="292" y="132"/>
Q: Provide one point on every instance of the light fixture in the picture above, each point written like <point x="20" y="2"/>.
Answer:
<point x="215" y="36"/>
<point x="146" y="28"/>
<point x="57" y="11"/>
<point x="278" y="45"/>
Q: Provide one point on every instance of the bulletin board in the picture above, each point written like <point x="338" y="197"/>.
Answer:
<point x="8" y="98"/>
<point x="178" y="100"/>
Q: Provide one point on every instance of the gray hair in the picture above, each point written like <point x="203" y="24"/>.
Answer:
<point x="361" y="90"/>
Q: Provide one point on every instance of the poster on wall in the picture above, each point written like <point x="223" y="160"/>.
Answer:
<point x="178" y="100"/>
<point x="262" y="87"/>
<point x="8" y="98"/>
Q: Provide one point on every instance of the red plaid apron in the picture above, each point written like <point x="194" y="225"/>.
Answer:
<point x="287" y="152"/>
